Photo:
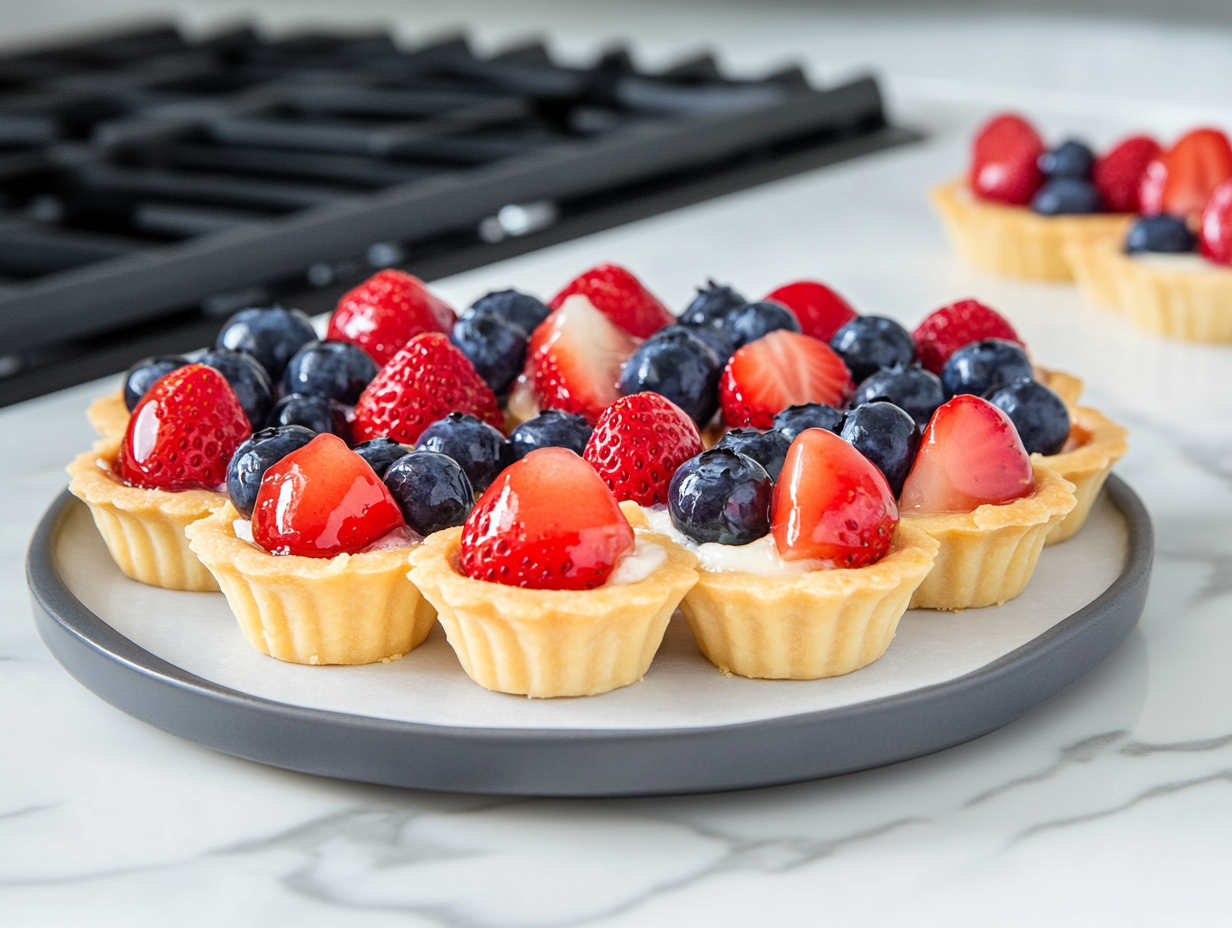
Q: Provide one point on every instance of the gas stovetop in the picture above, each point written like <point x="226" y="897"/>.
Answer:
<point x="150" y="185"/>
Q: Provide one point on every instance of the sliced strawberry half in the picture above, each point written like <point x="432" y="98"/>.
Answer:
<point x="322" y="500"/>
<point x="970" y="455"/>
<point x="952" y="327"/>
<point x="183" y="432"/>
<point x="831" y="504"/>
<point x="779" y="370"/>
<point x="638" y="444"/>
<point x="549" y="522"/>
<point x="1005" y="161"/>
<point x="1216" y="233"/>
<point x="1118" y="173"/>
<point x="1182" y="179"/>
<point x="385" y="312"/>
<point x="574" y="359"/>
<point x="821" y="311"/>
<point x="620" y="296"/>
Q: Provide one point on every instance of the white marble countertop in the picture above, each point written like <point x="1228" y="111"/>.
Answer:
<point x="1112" y="804"/>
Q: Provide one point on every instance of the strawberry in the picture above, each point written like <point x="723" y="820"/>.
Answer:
<point x="1182" y="179"/>
<point x="574" y="359"/>
<point x="621" y="297"/>
<point x="549" y="522"/>
<point x="1215" y="238"/>
<point x="385" y="312"/>
<point x="425" y="381"/>
<point x="954" y="326"/>
<point x="1118" y="173"/>
<point x="183" y="432"/>
<point x="1004" y="161"/>
<point x="638" y="444"/>
<point x="970" y="455"/>
<point x="820" y="310"/>
<point x="779" y="370"/>
<point x="322" y="500"/>
<point x="831" y="504"/>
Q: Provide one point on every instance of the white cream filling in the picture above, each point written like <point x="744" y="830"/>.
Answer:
<point x="401" y="537"/>
<point x="760" y="557"/>
<point x="1188" y="262"/>
<point x="645" y="558"/>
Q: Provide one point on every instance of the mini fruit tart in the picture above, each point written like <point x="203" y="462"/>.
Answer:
<point x="164" y="474"/>
<point x="802" y="579"/>
<point x="1094" y="444"/>
<point x="546" y="591"/>
<point x="109" y="415"/>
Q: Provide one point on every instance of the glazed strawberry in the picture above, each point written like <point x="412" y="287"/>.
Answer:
<point x="970" y="455"/>
<point x="183" y="432"/>
<point x="820" y="310"/>
<point x="1182" y="179"/>
<point x="779" y="370"/>
<point x="385" y="312"/>
<point x="638" y="444"/>
<point x="955" y="326"/>
<point x="322" y="500"/>
<point x="549" y="522"/>
<point x="1118" y="173"/>
<point x="621" y="297"/>
<point x="1215" y="238"/>
<point x="1004" y="161"/>
<point x="831" y="504"/>
<point x="424" y="382"/>
<point x="574" y="358"/>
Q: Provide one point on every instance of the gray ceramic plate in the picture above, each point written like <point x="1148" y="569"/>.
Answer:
<point x="177" y="661"/>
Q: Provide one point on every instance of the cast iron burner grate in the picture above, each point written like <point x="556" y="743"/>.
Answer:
<point x="150" y="184"/>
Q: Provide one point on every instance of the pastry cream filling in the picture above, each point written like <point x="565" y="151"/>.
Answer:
<point x="1188" y="262"/>
<point x="401" y="537"/>
<point x="760" y="557"/>
<point x="645" y="558"/>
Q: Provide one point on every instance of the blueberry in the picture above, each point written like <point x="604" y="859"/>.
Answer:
<point x="480" y="449"/>
<point x="677" y="364"/>
<point x="335" y="370"/>
<point x="795" y="419"/>
<point x="145" y="373"/>
<point x="257" y="455"/>
<point x="380" y="453"/>
<point x="1064" y="196"/>
<point x="520" y="309"/>
<point x="769" y="449"/>
<point x="1037" y="412"/>
<point x="552" y="428"/>
<point x="711" y="305"/>
<point x="912" y="388"/>
<point x="1069" y="159"/>
<point x="431" y="489"/>
<point x="709" y="334"/>
<point x="886" y="435"/>
<point x="312" y="412"/>
<point x="247" y="378"/>
<point x="721" y="496"/>
<point x="867" y="343"/>
<point x="494" y="345"/>
<point x="983" y="365"/>
<point x="1163" y="233"/>
<point x="751" y="322"/>
<point x="270" y="335"/>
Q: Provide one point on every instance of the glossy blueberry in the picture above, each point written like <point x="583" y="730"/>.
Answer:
<point x="380" y="453"/>
<point x="867" y="343"/>
<point x="677" y="364"/>
<point x="1037" y="412"/>
<point x="711" y="305"/>
<point x="521" y="309"/>
<point x="257" y="455"/>
<point x="983" y="365"/>
<point x="711" y="335"/>
<point x="247" y="378"/>
<point x="1069" y="159"/>
<point x="1066" y="196"/>
<point x="480" y="449"/>
<point x="552" y="428"/>
<point x="912" y="388"/>
<point x="769" y="449"/>
<point x="143" y="375"/>
<point x="494" y="345"/>
<point x="1163" y="233"/>
<point x="335" y="370"/>
<point x="795" y="419"/>
<point x="751" y="322"/>
<point x="886" y="435"/>
<point x="270" y="335"/>
<point x="312" y="412"/>
<point x="431" y="489"/>
<point x="721" y="496"/>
